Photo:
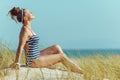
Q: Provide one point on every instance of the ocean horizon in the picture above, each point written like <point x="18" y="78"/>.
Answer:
<point x="88" y="52"/>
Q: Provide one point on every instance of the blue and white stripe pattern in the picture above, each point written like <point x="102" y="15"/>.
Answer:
<point x="33" y="51"/>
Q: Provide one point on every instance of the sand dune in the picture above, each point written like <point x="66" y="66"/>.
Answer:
<point x="39" y="74"/>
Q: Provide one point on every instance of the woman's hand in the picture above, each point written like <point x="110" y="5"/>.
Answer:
<point x="15" y="66"/>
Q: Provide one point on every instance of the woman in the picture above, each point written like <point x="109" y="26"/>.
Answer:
<point x="28" y="41"/>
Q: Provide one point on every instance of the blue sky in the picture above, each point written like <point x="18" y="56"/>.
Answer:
<point x="73" y="24"/>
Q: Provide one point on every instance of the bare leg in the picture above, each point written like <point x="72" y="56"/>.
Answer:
<point x="55" y="49"/>
<point x="71" y="65"/>
<point x="53" y="55"/>
<point x="48" y="60"/>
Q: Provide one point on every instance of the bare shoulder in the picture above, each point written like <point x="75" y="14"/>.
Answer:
<point x="24" y="31"/>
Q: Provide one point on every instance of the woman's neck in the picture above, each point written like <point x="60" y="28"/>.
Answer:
<point x="27" y="23"/>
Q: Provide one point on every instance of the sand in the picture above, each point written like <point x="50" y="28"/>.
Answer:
<point x="39" y="74"/>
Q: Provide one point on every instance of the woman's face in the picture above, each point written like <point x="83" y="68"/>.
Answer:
<point x="29" y="15"/>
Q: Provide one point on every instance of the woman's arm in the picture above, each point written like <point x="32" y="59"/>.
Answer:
<point x="23" y="37"/>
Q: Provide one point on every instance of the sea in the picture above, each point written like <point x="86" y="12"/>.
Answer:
<point x="87" y="52"/>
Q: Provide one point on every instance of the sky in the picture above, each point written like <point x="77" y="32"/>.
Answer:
<point x="73" y="24"/>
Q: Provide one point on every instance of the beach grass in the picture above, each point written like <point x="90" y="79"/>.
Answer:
<point x="96" y="67"/>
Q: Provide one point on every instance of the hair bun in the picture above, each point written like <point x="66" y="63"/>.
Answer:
<point x="15" y="10"/>
<point x="16" y="14"/>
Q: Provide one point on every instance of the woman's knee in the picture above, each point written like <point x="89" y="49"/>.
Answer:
<point x="58" y="48"/>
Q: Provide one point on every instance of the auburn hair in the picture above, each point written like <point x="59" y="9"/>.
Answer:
<point x="17" y="14"/>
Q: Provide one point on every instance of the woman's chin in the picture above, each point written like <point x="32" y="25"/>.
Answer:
<point x="33" y="17"/>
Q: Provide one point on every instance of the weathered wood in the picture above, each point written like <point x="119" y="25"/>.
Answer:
<point x="39" y="74"/>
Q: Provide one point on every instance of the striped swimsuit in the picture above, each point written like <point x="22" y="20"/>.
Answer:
<point x="33" y="51"/>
